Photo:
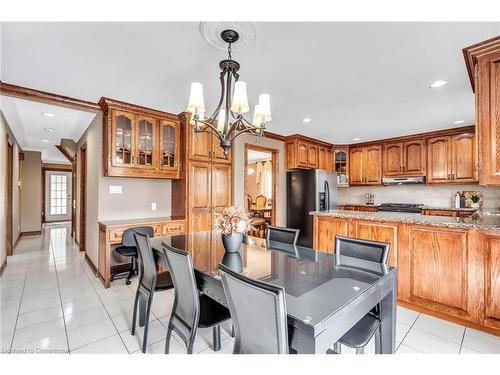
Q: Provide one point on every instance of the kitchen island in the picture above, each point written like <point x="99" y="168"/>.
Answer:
<point x="448" y="267"/>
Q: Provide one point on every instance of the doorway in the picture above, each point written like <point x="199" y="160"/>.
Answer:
<point x="57" y="196"/>
<point x="9" y="197"/>
<point x="83" y="195"/>
<point x="261" y="176"/>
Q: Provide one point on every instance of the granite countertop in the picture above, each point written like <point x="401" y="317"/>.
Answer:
<point x="481" y="219"/>
<point x="443" y="208"/>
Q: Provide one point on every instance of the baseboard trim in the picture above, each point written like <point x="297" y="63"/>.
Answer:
<point x="15" y="243"/>
<point x="30" y="233"/>
<point x="3" y="266"/>
<point x="91" y="264"/>
<point x="463" y="322"/>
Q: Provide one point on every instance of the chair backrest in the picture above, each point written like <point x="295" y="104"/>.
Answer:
<point x="249" y="201"/>
<point x="260" y="201"/>
<point x="282" y="234"/>
<point x="258" y="312"/>
<point x="186" y="309"/>
<point x="128" y="236"/>
<point x="147" y="264"/>
<point x="362" y="249"/>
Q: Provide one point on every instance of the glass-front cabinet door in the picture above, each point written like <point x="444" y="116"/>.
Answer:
<point x="122" y="138"/>
<point x="146" y="142"/>
<point x="169" y="140"/>
<point x="341" y="166"/>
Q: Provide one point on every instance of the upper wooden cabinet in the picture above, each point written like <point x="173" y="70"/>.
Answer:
<point x="365" y="165"/>
<point x="305" y="153"/>
<point x="483" y="64"/>
<point x="139" y="142"/>
<point x="451" y="159"/>
<point x="404" y="158"/>
<point x="205" y="147"/>
<point x="324" y="158"/>
<point x="341" y="165"/>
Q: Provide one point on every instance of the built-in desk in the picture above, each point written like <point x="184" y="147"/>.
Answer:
<point x="111" y="233"/>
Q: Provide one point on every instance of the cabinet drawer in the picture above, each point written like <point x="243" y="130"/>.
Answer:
<point x="116" y="235"/>
<point x="173" y="228"/>
<point x="440" y="213"/>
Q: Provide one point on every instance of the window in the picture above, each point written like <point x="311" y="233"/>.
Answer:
<point x="58" y="194"/>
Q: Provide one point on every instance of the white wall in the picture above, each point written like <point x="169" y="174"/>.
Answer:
<point x="239" y="172"/>
<point x="434" y="195"/>
<point x="31" y="192"/>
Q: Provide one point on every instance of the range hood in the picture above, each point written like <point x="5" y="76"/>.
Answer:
<point x="403" y="180"/>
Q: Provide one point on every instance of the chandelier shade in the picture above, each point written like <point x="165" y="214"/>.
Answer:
<point x="227" y="120"/>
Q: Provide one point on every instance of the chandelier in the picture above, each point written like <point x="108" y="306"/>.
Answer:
<point x="227" y="121"/>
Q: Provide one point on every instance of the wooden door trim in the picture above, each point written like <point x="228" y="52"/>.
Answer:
<point x="274" y="160"/>
<point x="9" y="191"/>
<point x="83" y="199"/>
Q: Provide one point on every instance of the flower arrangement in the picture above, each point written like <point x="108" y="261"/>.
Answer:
<point x="233" y="220"/>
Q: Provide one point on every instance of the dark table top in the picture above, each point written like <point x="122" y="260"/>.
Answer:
<point x="317" y="284"/>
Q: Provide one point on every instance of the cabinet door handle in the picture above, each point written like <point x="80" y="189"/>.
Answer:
<point x="453" y="176"/>
<point x="449" y="176"/>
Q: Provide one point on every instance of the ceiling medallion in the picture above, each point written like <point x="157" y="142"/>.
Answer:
<point x="211" y="33"/>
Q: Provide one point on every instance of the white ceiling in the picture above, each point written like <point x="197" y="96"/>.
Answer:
<point x="28" y="124"/>
<point x="367" y="80"/>
<point x="254" y="156"/>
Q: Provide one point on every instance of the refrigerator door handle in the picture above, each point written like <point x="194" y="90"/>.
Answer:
<point x="327" y="196"/>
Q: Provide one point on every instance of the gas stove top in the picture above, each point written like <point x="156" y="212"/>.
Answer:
<point x="400" y="207"/>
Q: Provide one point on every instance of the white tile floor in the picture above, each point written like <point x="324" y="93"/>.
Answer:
<point x="50" y="302"/>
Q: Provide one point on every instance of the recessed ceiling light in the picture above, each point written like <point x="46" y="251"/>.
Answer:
<point x="306" y="120"/>
<point x="45" y="140"/>
<point x="48" y="114"/>
<point x="356" y="139"/>
<point x="458" y="122"/>
<point x="49" y="130"/>
<point x="438" y="83"/>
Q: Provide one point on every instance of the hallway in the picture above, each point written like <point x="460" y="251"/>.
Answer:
<point x="52" y="303"/>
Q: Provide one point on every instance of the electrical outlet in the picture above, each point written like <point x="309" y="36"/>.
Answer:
<point x="153" y="206"/>
<point x="115" y="189"/>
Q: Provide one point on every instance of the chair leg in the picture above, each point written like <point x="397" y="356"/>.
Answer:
<point x="134" y="314"/>
<point x="216" y="338"/>
<point x="146" y="326"/>
<point x="360" y="350"/>
<point x="167" y="341"/>
<point x="378" y="341"/>
<point x="133" y="270"/>
<point x="190" y="345"/>
<point x="232" y="330"/>
<point x="336" y="348"/>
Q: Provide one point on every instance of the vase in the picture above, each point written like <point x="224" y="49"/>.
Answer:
<point x="232" y="242"/>
<point x="233" y="261"/>
<point x="475" y="205"/>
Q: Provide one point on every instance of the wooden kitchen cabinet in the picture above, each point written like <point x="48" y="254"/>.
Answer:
<point x="139" y="142"/>
<point x="306" y="153"/>
<point x="325" y="230"/>
<point x="483" y="65"/>
<point x="491" y="266"/>
<point x="325" y="158"/>
<point x="341" y="165"/>
<point x="205" y="146"/>
<point x="365" y="165"/>
<point x="378" y="231"/>
<point x="451" y="159"/>
<point x="404" y="158"/>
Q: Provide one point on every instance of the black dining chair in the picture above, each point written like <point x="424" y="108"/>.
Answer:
<point x="258" y="311"/>
<point x="191" y="309"/>
<point x="362" y="332"/>
<point x="149" y="282"/>
<point x="129" y="249"/>
<point x="282" y="234"/>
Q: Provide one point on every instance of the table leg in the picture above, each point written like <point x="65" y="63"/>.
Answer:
<point x="387" y="342"/>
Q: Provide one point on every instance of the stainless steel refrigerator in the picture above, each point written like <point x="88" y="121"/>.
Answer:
<point x="306" y="191"/>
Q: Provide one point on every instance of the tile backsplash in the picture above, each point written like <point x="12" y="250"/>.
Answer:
<point x="431" y="195"/>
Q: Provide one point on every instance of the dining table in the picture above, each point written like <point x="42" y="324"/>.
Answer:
<point x="326" y="294"/>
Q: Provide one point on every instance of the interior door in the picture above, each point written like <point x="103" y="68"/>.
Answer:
<point x="57" y="196"/>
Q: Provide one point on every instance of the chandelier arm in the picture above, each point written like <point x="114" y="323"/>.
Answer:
<point x="241" y="132"/>
<point x="221" y="100"/>
<point x="228" y="101"/>
<point x="212" y="127"/>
